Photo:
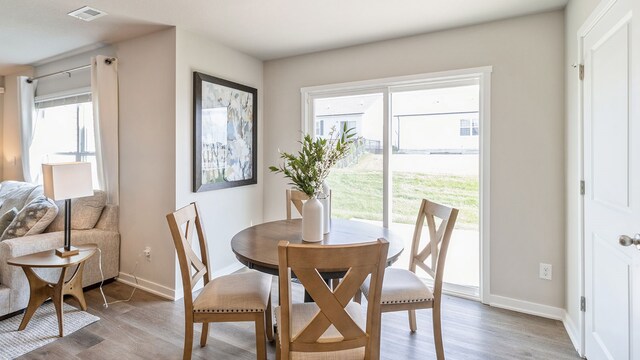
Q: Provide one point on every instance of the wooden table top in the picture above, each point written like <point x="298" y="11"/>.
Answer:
<point x="257" y="246"/>
<point x="49" y="259"/>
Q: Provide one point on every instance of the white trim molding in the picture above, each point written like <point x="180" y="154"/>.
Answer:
<point x="398" y="80"/>
<point x="146" y="285"/>
<point x="166" y="292"/>
<point x="572" y="331"/>
<point x="527" y="307"/>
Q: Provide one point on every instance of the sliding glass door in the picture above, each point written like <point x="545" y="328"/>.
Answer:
<point x="416" y="139"/>
<point x="435" y="155"/>
<point x="357" y="181"/>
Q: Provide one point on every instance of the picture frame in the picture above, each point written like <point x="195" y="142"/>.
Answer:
<point x="225" y="133"/>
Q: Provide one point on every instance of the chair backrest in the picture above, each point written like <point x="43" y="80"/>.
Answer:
<point x="306" y="260"/>
<point x="297" y="198"/>
<point x="436" y="247"/>
<point x="183" y="223"/>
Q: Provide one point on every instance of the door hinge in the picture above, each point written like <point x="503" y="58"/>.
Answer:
<point x="582" y="187"/>
<point x="581" y="71"/>
<point x="583" y="304"/>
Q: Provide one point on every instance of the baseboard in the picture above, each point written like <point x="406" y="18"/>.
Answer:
<point x="167" y="292"/>
<point x="228" y="270"/>
<point x="527" y="307"/>
<point x="572" y="331"/>
<point x="148" y="286"/>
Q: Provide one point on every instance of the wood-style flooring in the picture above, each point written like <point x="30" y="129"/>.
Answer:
<point x="149" y="327"/>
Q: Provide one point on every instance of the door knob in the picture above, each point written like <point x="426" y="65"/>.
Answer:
<point x="628" y="241"/>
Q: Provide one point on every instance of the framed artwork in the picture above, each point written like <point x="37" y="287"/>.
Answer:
<point x="225" y="133"/>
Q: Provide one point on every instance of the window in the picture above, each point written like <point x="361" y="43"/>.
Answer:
<point x="351" y="124"/>
<point x="469" y="127"/>
<point x="320" y="128"/>
<point x="63" y="132"/>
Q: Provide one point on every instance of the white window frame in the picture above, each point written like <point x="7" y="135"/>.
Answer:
<point x="387" y="86"/>
<point x="63" y="95"/>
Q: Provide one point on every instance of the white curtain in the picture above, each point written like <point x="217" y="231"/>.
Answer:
<point x="27" y="116"/>
<point x="104" y="95"/>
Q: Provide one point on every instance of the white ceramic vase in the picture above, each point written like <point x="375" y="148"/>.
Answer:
<point x="312" y="223"/>
<point x="326" y="207"/>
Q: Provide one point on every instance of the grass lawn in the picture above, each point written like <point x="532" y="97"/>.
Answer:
<point x="357" y="193"/>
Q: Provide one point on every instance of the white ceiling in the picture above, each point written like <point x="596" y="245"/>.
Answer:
<point x="34" y="30"/>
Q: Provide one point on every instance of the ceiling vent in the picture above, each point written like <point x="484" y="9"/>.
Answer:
<point x="87" y="13"/>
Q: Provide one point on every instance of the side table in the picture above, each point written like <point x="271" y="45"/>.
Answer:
<point x="41" y="290"/>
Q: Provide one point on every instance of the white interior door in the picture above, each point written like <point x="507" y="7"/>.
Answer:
<point x="612" y="178"/>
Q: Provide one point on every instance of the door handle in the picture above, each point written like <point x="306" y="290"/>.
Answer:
<point x="628" y="241"/>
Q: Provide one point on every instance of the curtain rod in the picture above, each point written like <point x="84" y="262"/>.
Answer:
<point x="107" y="61"/>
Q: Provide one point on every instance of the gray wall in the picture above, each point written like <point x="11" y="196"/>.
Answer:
<point x="147" y="83"/>
<point x="226" y="211"/>
<point x="527" y="131"/>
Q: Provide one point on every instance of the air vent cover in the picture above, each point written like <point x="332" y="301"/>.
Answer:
<point x="87" y="13"/>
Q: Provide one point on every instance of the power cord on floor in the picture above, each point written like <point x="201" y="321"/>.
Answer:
<point x="104" y="298"/>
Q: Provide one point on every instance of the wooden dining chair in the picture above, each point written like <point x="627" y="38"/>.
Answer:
<point x="297" y="198"/>
<point x="403" y="289"/>
<point x="236" y="297"/>
<point x="332" y="327"/>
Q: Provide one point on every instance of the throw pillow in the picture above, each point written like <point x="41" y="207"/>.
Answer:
<point x="32" y="219"/>
<point x="85" y="212"/>
<point x="15" y="194"/>
<point x="7" y="218"/>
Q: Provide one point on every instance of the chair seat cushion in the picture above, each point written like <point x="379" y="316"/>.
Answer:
<point x="401" y="286"/>
<point x="301" y="315"/>
<point x="244" y="292"/>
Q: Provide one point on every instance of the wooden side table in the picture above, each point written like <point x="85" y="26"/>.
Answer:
<point x="41" y="290"/>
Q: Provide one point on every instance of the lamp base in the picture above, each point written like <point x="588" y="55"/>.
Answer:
<point x="61" y="252"/>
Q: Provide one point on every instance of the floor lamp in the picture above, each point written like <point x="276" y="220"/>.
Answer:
<point x="66" y="181"/>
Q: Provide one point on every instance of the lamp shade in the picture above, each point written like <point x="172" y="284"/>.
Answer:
<point x="63" y="181"/>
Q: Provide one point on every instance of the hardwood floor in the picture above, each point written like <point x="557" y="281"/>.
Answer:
<point x="149" y="327"/>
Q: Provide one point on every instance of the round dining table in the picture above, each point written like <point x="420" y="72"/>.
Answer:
<point x="257" y="246"/>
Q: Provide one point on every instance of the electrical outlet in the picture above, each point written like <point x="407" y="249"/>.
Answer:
<point x="147" y="253"/>
<point x="545" y="271"/>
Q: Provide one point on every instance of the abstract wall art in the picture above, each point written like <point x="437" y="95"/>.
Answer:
<point x="225" y="151"/>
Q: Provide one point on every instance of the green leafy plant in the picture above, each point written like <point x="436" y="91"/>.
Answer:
<point x="311" y="165"/>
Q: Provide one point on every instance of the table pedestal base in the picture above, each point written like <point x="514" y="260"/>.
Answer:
<point x="41" y="290"/>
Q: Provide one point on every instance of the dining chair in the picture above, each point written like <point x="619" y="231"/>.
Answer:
<point x="403" y="289"/>
<point x="237" y="297"/>
<point x="297" y="199"/>
<point x="332" y="327"/>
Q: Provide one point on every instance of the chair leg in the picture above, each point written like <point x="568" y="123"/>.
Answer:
<point x="261" y="346"/>
<point x="269" y="321"/>
<point x="374" y="351"/>
<point x="412" y="321"/>
<point x="188" y="338"/>
<point x="205" y="334"/>
<point x="278" y="354"/>
<point x="437" y="332"/>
